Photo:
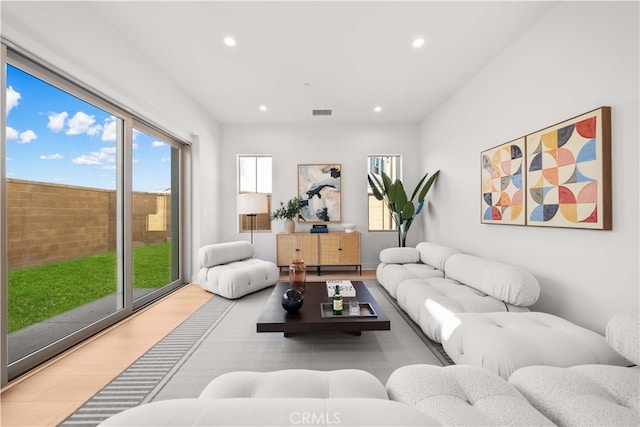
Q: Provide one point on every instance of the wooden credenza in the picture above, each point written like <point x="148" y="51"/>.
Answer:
<point x="334" y="249"/>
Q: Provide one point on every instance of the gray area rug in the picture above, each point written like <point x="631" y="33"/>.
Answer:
<point x="221" y="337"/>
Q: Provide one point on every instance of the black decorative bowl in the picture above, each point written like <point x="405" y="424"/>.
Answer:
<point x="292" y="300"/>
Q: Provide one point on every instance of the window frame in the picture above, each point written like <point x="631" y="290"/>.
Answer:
<point x="262" y="221"/>
<point x="386" y="216"/>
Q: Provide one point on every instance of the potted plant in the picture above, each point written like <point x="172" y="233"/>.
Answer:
<point x="402" y="209"/>
<point x="288" y="212"/>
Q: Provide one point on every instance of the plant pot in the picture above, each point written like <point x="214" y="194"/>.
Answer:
<point x="289" y="226"/>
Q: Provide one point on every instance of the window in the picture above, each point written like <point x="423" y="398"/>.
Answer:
<point x="379" y="217"/>
<point x="91" y="202"/>
<point x="254" y="176"/>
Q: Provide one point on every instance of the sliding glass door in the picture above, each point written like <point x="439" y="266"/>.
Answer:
<point x="61" y="196"/>
<point x="156" y="213"/>
<point x="90" y="208"/>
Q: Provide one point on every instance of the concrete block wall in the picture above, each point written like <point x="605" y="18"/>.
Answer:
<point x="51" y="222"/>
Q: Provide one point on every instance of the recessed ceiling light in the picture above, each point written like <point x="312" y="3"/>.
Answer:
<point x="419" y="42"/>
<point x="377" y="109"/>
<point x="262" y="108"/>
<point x="230" y="41"/>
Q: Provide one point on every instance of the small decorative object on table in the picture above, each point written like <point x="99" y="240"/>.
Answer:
<point x="349" y="227"/>
<point x="298" y="274"/>
<point x="354" y="308"/>
<point x="292" y="300"/>
<point x="337" y="302"/>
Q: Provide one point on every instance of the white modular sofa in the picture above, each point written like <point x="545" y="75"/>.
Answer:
<point x="457" y="395"/>
<point x="593" y="394"/>
<point x="424" y="261"/>
<point x="229" y="270"/>
<point x="345" y="397"/>
<point x="479" y="312"/>
<point x="505" y="342"/>
<point x="472" y="284"/>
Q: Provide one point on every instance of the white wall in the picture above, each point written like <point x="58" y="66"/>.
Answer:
<point x="291" y="145"/>
<point x="578" y="57"/>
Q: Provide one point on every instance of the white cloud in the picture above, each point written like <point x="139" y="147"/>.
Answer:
<point x="135" y="146"/>
<point x="11" y="134"/>
<point x="109" y="167"/>
<point x="105" y="155"/>
<point x="80" y="123"/>
<point x="109" y="129"/>
<point x="165" y="159"/>
<point x="56" y="121"/>
<point x="55" y="156"/>
<point x="158" y="144"/>
<point x="27" y="136"/>
<point x="13" y="98"/>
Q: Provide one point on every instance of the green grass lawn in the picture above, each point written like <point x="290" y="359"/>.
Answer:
<point x="41" y="292"/>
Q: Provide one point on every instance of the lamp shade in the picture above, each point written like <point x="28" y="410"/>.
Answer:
<point x="252" y="203"/>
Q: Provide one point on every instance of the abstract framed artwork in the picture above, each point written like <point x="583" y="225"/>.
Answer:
<point x="503" y="184"/>
<point x="568" y="173"/>
<point x="319" y="188"/>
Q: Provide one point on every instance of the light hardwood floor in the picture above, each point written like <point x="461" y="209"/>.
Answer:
<point x="47" y="395"/>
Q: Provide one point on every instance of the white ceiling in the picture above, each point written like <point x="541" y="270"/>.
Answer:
<point x="353" y="55"/>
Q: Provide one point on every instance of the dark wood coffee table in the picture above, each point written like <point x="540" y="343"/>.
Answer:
<point x="310" y="318"/>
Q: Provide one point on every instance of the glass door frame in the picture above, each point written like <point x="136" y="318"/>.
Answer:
<point x="124" y="238"/>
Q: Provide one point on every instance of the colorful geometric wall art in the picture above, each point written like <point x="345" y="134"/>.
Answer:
<point x="503" y="179"/>
<point x="568" y="170"/>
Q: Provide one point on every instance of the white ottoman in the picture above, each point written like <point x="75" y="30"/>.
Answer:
<point x="229" y="269"/>
<point x="504" y="342"/>
<point x="462" y="395"/>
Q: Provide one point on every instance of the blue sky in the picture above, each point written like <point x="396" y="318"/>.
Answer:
<point x="55" y="137"/>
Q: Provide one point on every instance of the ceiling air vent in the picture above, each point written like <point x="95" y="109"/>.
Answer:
<point x="321" y="112"/>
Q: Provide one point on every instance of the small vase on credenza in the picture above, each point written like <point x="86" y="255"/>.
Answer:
<point x="289" y="226"/>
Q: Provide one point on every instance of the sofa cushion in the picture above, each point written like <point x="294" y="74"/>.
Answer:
<point x="399" y="256"/>
<point x="622" y="334"/>
<point x="462" y="395"/>
<point x="223" y="253"/>
<point x="290" y="383"/>
<point x="434" y="303"/>
<point x="504" y="342"/>
<point x="502" y="281"/>
<point x="239" y="278"/>
<point x="391" y="275"/>
<point x="596" y="395"/>
<point x="272" y="412"/>
<point x="435" y="255"/>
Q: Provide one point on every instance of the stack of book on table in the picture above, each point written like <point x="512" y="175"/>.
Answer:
<point x="346" y="288"/>
<point x="319" y="228"/>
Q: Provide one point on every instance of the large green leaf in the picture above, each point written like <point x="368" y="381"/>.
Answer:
<point x="415" y="190"/>
<point x="407" y="211"/>
<point x="391" y="195"/>
<point x="374" y="188"/>
<point x="400" y="197"/>
<point x="428" y="185"/>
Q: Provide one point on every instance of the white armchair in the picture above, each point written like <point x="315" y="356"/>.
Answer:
<point x="229" y="270"/>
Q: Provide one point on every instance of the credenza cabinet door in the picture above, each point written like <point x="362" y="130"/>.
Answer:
<point x="350" y="249"/>
<point x="340" y="249"/>
<point x="296" y="246"/>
